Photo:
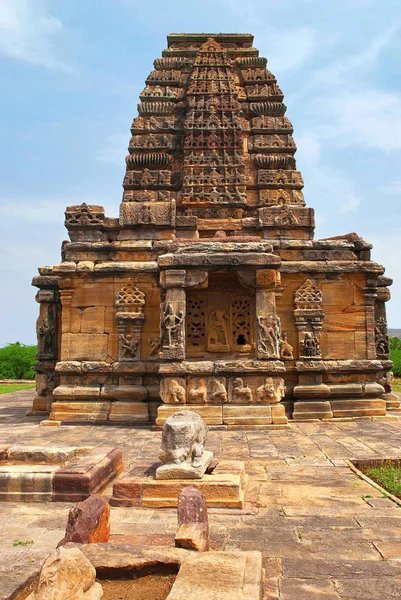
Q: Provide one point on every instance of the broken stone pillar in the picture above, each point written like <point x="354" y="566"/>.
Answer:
<point x="88" y="522"/>
<point x="67" y="574"/>
<point x="193" y="526"/>
<point x="182" y="449"/>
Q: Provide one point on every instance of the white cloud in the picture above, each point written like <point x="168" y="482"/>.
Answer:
<point x="27" y="33"/>
<point x="344" y="69"/>
<point x="371" y="118"/>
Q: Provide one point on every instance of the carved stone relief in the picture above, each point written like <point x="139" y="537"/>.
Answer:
<point x="268" y="336"/>
<point x="286" y="350"/>
<point x="308" y="317"/>
<point x="172" y="327"/>
<point x="256" y="389"/>
<point x="173" y="390"/>
<point x="130" y="318"/>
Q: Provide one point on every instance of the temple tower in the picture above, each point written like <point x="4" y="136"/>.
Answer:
<point x="209" y="289"/>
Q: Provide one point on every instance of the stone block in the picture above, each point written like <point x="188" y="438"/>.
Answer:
<point x="278" y="415"/>
<point x="247" y="415"/>
<point x="350" y="390"/>
<point x="373" y="389"/>
<point x="212" y="415"/>
<point x="27" y="483"/>
<point x="92" y="319"/>
<point x="193" y="527"/>
<point x="220" y="575"/>
<point x="80" y="411"/>
<point x="357" y="407"/>
<point x="311" y="391"/>
<point x="130" y="412"/>
<point x="67" y="574"/>
<point x="84" y="346"/>
<point x="312" y="410"/>
<point x="88" y="522"/>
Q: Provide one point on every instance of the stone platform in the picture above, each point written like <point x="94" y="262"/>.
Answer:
<point x="58" y="474"/>
<point x="223" y="488"/>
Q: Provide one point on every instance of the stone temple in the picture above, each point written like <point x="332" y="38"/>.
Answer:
<point x="209" y="290"/>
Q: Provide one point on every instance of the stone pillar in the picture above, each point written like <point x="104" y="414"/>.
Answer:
<point x="47" y="330"/>
<point x="370" y="293"/>
<point x="267" y="322"/>
<point x="172" y="319"/>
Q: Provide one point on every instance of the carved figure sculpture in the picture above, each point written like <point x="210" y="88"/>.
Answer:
<point x="129" y="345"/>
<point x="242" y="394"/>
<point x="286" y="350"/>
<point x="219" y="392"/>
<point x="197" y="391"/>
<point x="217" y="333"/>
<point x="182" y="449"/>
<point x="172" y="326"/>
<point x="45" y="332"/>
<point x="268" y="336"/>
<point x="265" y="392"/>
<point x="310" y="347"/>
<point x="175" y="392"/>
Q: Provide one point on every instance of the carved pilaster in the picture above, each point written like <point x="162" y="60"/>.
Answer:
<point x="267" y="322"/>
<point x="308" y="317"/>
<point x="130" y="318"/>
<point x="370" y="293"/>
<point x="172" y="319"/>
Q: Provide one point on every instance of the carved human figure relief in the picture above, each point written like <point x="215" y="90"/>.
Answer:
<point x="129" y="345"/>
<point x="310" y="347"/>
<point x="219" y="392"/>
<point x="45" y="332"/>
<point x="242" y="394"/>
<point x="286" y="350"/>
<point x="218" y="331"/>
<point x="172" y="327"/>
<point x="197" y="392"/>
<point x="268" y="336"/>
<point x="155" y="347"/>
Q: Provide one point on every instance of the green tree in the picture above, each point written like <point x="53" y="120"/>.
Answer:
<point x="17" y="361"/>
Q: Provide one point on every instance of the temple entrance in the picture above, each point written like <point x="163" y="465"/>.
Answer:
<point x="220" y="319"/>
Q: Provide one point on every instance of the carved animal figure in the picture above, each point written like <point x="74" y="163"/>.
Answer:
<point x="175" y="392"/>
<point x="286" y="350"/>
<point x="241" y="393"/>
<point x="183" y="438"/>
<point x="219" y="392"/>
<point x="265" y="392"/>
<point x="197" y="392"/>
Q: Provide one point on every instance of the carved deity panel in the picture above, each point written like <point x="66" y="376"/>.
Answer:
<point x="220" y="319"/>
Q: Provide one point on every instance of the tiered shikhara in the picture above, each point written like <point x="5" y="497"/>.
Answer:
<point x="209" y="290"/>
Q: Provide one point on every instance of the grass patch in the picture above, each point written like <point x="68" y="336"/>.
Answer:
<point x="15" y="387"/>
<point x="388" y="476"/>
<point x="396" y="385"/>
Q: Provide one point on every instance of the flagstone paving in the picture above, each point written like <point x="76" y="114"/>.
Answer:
<point x="323" y="532"/>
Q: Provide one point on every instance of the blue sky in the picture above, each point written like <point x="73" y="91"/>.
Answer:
<point x="71" y="73"/>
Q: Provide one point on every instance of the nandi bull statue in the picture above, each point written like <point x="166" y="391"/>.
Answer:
<point x="182" y="449"/>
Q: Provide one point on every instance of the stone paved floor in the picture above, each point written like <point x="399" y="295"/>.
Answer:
<point x="323" y="532"/>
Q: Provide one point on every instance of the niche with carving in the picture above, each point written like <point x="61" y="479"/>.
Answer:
<point x="220" y="319"/>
